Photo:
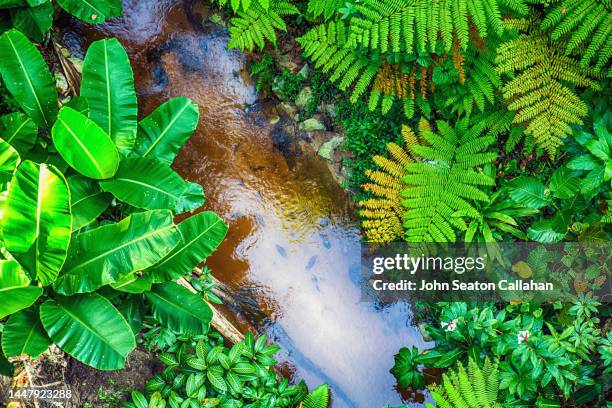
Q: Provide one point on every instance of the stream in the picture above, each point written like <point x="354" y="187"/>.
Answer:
<point x="292" y="254"/>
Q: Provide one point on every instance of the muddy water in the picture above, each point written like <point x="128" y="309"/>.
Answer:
<point x="292" y="251"/>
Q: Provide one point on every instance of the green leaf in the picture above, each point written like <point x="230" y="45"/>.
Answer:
<point x="36" y="222"/>
<point x="9" y="160"/>
<point x="191" y="199"/>
<point x="548" y="230"/>
<point x="139" y="400"/>
<point x="216" y="380"/>
<point x="90" y="329"/>
<point x="15" y="292"/>
<point x="27" y="77"/>
<point x="318" y="398"/>
<point x="88" y="201"/>
<point x="563" y="184"/>
<point x="6" y="367"/>
<point x="90" y="11"/>
<point x="19" y="131"/>
<point x="24" y="334"/>
<point x="202" y="234"/>
<point x="163" y="132"/>
<point x="79" y="104"/>
<point x="108" y="85"/>
<point x="84" y="145"/>
<point x="132" y="310"/>
<point x="33" y="21"/>
<point x="146" y="183"/>
<point x="103" y="255"/>
<point x="133" y="283"/>
<point x="179" y="309"/>
<point x="528" y="191"/>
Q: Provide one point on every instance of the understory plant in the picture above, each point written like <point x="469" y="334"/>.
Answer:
<point x="547" y="353"/>
<point x="201" y="371"/>
<point x="88" y="206"/>
<point x="34" y="18"/>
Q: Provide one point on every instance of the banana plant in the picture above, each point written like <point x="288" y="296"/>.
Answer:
<point x="35" y="17"/>
<point x="88" y="201"/>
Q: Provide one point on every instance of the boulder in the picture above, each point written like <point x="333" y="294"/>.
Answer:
<point x="303" y="98"/>
<point x="327" y="149"/>
<point x="310" y="125"/>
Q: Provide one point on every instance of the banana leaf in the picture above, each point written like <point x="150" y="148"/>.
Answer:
<point x="36" y="223"/>
<point x="27" y="77"/>
<point x="84" y="145"/>
<point x="106" y="254"/>
<point x="88" y="201"/>
<point x="24" y="334"/>
<point x="34" y="22"/>
<point x="202" y="234"/>
<point x="163" y="132"/>
<point x="90" y="329"/>
<point x="108" y="85"/>
<point x="19" y="131"/>
<point x="15" y="290"/>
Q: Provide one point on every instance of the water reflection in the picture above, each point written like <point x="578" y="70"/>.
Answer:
<point x="292" y="252"/>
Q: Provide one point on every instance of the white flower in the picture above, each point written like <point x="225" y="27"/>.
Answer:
<point x="523" y="336"/>
<point x="450" y="326"/>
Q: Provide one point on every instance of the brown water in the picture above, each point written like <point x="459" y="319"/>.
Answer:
<point x="292" y="251"/>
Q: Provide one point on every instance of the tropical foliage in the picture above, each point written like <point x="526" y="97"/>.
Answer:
<point x="85" y="237"/>
<point x="544" y="351"/>
<point x="35" y="17"/>
<point x="201" y="371"/>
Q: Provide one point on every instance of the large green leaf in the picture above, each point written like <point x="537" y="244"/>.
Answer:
<point x="202" y="234"/>
<point x="163" y="132"/>
<point x="84" y="145"/>
<point x="528" y="191"/>
<point x="27" y="77"/>
<point x="36" y="224"/>
<point x="15" y="292"/>
<point x="133" y="283"/>
<point x="6" y="367"/>
<point x="33" y="21"/>
<point x="179" y="309"/>
<point x="191" y="199"/>
<point x="90" y="11"/>
<point x="18" y="130"/>
<point x="108" y="85"/>
<point x="132" y="309"/>
<point x="12" y="3"/>
<point x="88" y="201"/>
<point x="104" y="255"/>
<point x="563" y="184"/>
<point x="9" y="160"/>
<point x="24" y="334"/>
<point x="146" y="183"/>
<point x="90" y="329"/>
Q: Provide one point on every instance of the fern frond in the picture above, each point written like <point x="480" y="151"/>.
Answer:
<point x="586" y="26"/>
<point x="540" y="92"/>
<point x="252" y="27"/>
<point x="446" y="180"/>
<point x="325" y="8"/>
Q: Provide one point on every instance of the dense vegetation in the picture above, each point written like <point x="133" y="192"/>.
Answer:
<point x="475" y="121"/>
<point x="489" y="120"/>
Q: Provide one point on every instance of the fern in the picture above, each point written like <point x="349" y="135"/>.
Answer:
<point x="254" y="26"/>
<point x="540" y="92"/>
<point x="445" y="181"/>
<point x="474" y="388"/>
<point x="318" y="398"/>
<point x="587" y="27"/>
<point x="326" y="46"/>
<point x="407" y="25"/>
<point x="244" y="4"/>
<point x="382" y="215"/>
<point x="325" y="8"/>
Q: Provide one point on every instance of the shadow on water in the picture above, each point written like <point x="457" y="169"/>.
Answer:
<point x="292" y="251"/>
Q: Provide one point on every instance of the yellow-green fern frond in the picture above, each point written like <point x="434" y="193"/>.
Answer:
<point x="540" y="93"/>
<point x="381" y="215"/>
<point x="325" y="8"/>
<point x="587" y="27"/>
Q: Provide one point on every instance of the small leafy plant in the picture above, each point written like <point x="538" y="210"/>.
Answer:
<point x="202" y="372"/>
